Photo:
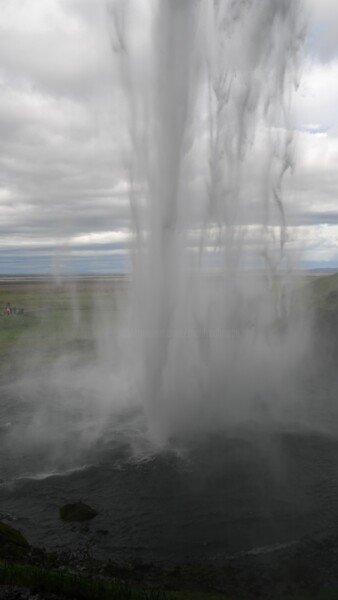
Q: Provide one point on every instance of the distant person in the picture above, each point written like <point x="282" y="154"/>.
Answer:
<point x="8" y="309"/>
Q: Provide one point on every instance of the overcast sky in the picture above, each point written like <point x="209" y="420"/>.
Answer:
<point x="62" y="189"/>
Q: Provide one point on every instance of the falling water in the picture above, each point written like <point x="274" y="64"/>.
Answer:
<point x="207" y="88"/>
<point x="216" y="336"/>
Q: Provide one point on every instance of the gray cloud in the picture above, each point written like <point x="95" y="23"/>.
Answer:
<point x="59" y="138"/>
<point x="323" y="35"/>
<point x="62" y="174"/>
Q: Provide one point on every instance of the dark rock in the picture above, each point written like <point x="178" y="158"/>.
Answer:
<point x="78" y="511"/>
<point x="11" y="537"/>
<point x="102" y="531"/>
<point x="13" y="545"/>
<point x="85" y="530"/>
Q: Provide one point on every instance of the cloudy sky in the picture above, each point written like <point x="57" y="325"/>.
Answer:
<point x="62" y="190"/>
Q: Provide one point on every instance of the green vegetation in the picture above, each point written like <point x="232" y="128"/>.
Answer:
<point x="71" y="585"/>
<point x="65" y="580"/>
<point x="63" y="318"/>
<point x="79" y="511"/>
<point x="48" y="575"/>
<point x="56" y="319"/>
<point x="326" y="595"/>
<point x="322" y="292"/>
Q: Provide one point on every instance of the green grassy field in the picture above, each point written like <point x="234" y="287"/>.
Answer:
<point x="322" y="292"/>
<point x="64" y="316"/>
<point x="56" y="317"/>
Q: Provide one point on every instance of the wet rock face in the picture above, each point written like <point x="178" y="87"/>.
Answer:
<point x="78" y="511"/>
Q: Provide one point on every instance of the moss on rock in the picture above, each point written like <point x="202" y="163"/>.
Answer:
<point x="78" y="511"/>
<point x="11" y="537"/>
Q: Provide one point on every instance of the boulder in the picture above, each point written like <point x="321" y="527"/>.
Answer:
<point x="78" y="511"/>
<point x="11" y="537"/>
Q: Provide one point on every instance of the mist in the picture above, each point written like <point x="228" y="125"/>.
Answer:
<point x="207" y="92"/>
<point x="165" y="356"/>
<point x="208" y="333"/>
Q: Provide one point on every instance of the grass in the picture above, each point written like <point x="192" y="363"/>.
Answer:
<point x="71" y="585"/>
<point x="57" y="318"/>
<point x="322" y="292"/>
